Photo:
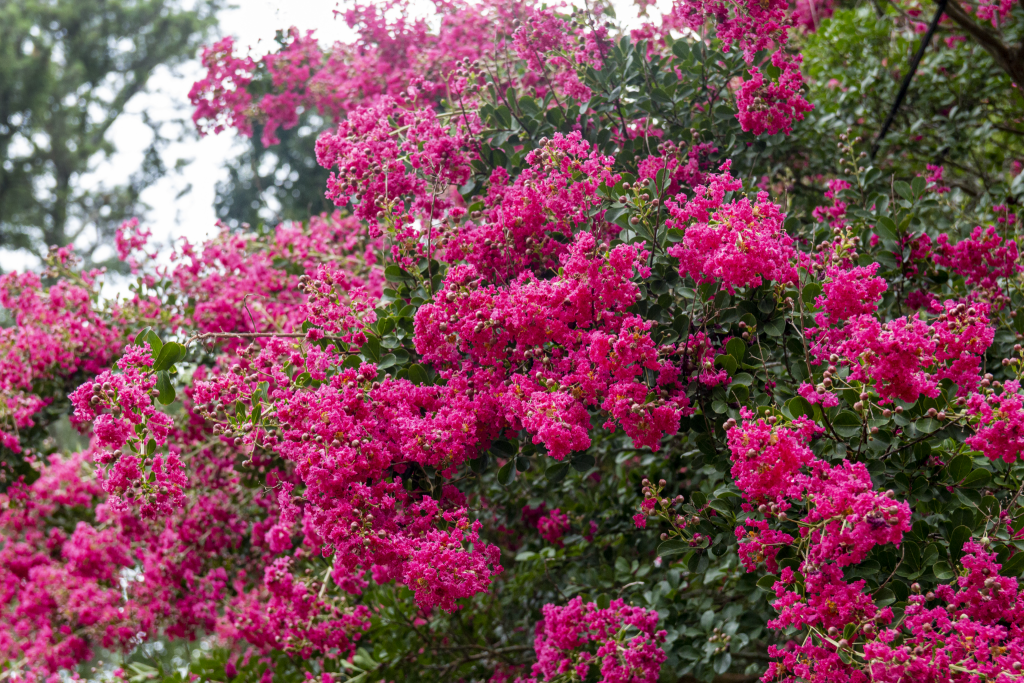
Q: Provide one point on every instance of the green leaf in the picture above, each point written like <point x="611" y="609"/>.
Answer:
<point x="151" y="447"/>
<point x="706" y="445"/>
<point x="479" y="465"/>
<point x="847" y="423"/>
<point x="164" y="387"/>
<point x="775" y="327"/>
<point x="155" y="345"/>
<point x="398" y="274"/>
<point x="737" y="348"/>
<point x="504" y="448"/>
<point x="1014" y="566"/>
<point x="766" y="582"/>
<point x="743" y="378"/>
<point x="507" y="473"/>
<point x="556" y="471"/>
<point x="170" y="354"/>
<point x="926" y="425"/>
<point x="798" y="405"/>
<point x="726" y="361"/>
<point x="363" y="660"/>
<point x="960" y="535"/>
<point x="903" y="190"/>
<point x="884" y="597"/>
<point x="581" y="462"/>
<point x="141" y="336"/>
<point x="811" y="292"/>
<point x="942" y="571"/>
<point x="885" y="228"/>
<point x="417" y="374"/>
<point x="303" y="380"/>
<point x="976" y="478"/>
<point x="387" y="361"/>
<point x="722" y="506"/>
<point x="371" y="349"/>
<point x="674" y="547"/>
<point x="959" y="468"/>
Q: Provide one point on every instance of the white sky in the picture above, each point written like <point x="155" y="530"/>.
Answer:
<point x="252" y="23"/>
<point x="182" y="202"/>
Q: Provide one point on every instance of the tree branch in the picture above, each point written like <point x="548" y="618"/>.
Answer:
<point x="1007" y="58"/>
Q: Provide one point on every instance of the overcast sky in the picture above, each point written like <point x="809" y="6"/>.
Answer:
<point x="182" y="202"/>
<point x="252" y="23"/>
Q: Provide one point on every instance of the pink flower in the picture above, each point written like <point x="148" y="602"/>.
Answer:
<point x="738" y="243"/>
<point x="553" y="526"/>
<point x="982" y="259"/>
<point x="579" y="636"/>
<point x="999" y="421"/>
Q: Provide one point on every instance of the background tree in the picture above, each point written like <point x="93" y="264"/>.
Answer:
<point x="269" y="184"/>
<point x="68" y="69"/>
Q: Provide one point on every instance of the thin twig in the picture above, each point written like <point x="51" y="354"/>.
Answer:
<point x="910" y="75"/>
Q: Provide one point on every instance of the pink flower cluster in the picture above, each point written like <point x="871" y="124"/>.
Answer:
<point x="579" y="636"/>
<point x="237" y="283"/>
<point x="349" y="430"/>
<point x="553" y="526"/>
<point x="767" y="105"/>
<point x="547" y="350"/>
<point x="377" y="169"/>
<point x="934" y="179"/>
<point x="966" y="631"/>
<point x="833" y="215"/>
<point x="111" y="579"/>
<point x="848" y="292"/>
<point x="58" y="330"/>
<point x="808" y="14"/>
<point x="975" y="634"/>
<point x="737" y="243"/>
<point x="982" y="259"/>
<point x="130" y="238"/>
<point x="844" y="518"/>
<point x="220" y="99"/>
<point x="392" y="54"/>
<point x="545" y="42"/>
<point x="690" y="174"/>
<point x="999" y="423"/>
<point x="120" y="407"/>
<point x="906" y="358"/>
<point x="556" y="195"/>
<point x="770" y="105"/>
<point x="178" y="513"/>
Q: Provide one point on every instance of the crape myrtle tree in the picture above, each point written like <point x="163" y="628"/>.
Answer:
<point x="580" y="381"/>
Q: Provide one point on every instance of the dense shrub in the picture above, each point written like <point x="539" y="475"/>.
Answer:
<point x="581" y="381"/>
